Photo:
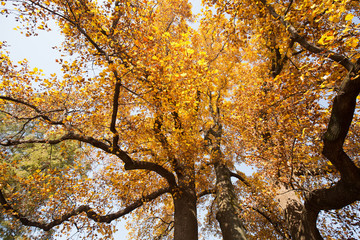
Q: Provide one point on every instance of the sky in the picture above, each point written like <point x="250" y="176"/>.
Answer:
<point x="39" y="52"/>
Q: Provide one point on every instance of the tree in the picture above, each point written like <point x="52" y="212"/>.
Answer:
<point x="309" y="51"/>
<point x="168" y="114"/>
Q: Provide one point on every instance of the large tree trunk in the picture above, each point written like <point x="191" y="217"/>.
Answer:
<point x="302" y="222"/>
<point x="228" y="214"/>
<point x="300" y="218"/>
<point x="228" y="210"/>
<point x="185" y="216"/>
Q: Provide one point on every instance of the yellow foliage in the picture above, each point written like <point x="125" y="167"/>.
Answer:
<point x="146" y="91"/>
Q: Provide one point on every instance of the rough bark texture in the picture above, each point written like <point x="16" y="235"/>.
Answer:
<point x="185" y="216"/>
<point x="301" y="220"/>
<point x="228" y="208"/>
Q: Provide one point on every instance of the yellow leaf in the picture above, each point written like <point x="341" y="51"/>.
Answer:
<point x="166" y="34"/>
<point x="354" y="42"/>
<point x="326" y="38"/>
<point x="190" y="51"/>
<point x="201" y="62"/>
<point x="349" y="17"/>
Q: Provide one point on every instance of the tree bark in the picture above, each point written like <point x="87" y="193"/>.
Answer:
<point x="185" y="215"/>
<point x="228" y="209"/>
<point x="300" y="219"/>
<point x="228" y="214"/>
<point x="302" y="222"/>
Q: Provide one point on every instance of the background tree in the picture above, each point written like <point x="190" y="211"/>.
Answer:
<point x="144" y="119"/>
<point x="27" y="161"/>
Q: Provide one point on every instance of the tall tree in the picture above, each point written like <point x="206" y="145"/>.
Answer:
<point x="139" y="109"/>
<point x="309" y="55"/>
<point x="169" y="114"/>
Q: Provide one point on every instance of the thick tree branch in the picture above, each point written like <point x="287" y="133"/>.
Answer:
<point x="114" y="112"/>
<point x="336" y="197"/>
<point x="340" y="120"/>
<point x="82" y="209"/>
<point x="152" y="167"/>
<point x="241" y="177"/>
<point x="206" y="192"/>
<point x="130" y="164"/>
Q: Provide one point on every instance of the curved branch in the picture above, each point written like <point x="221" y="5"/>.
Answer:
<point x="241" y="178"/>
<point x="130" y="164"/>
<point x="152" y="167"/>
<point x="69" y="136"/>
<point x="206" y="192"/>
<point x="340" y="120"/>
<point x="336" y="197"/>
<point x="82" y="209"/>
